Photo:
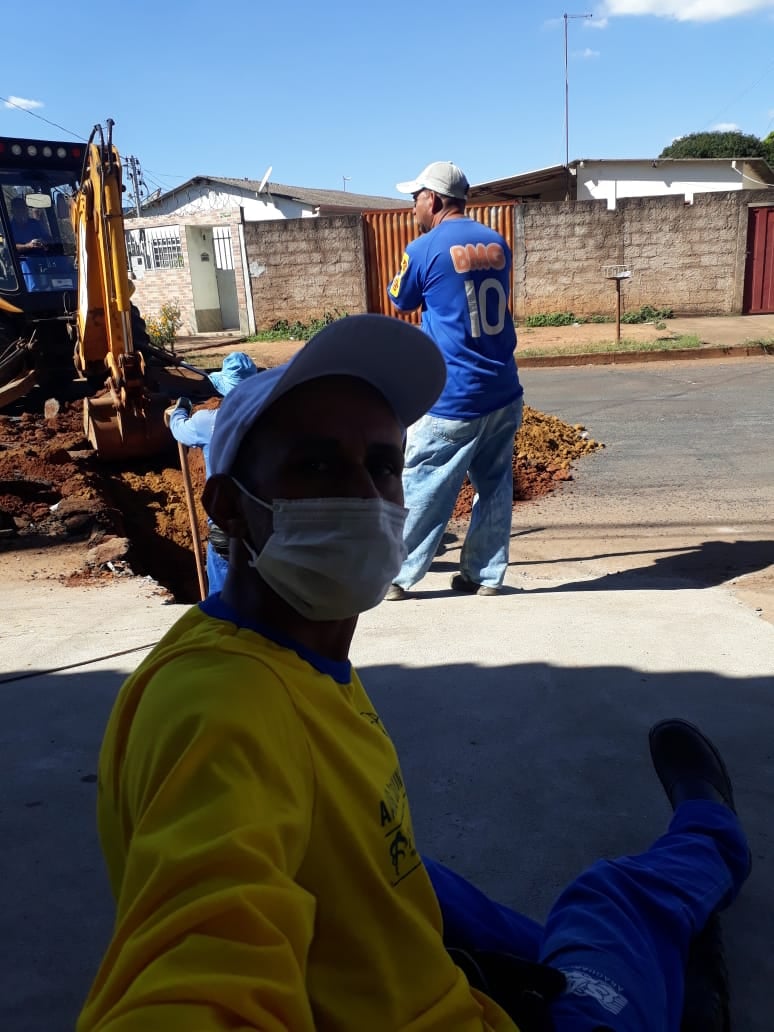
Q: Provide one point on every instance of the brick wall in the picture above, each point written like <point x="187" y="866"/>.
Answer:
<point x="302" y="268"/>
<point x="688" y="257"/>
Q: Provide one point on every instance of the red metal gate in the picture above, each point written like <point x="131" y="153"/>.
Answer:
<point x="388" y="232"/>
<point x="759" y="274"/>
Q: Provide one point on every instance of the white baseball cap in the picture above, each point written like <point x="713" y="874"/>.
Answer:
<point x="396" y="358"/>
<point x="442" y="177"/>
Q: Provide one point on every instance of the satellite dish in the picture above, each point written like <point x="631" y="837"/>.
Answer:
<point x="265" y="179"/>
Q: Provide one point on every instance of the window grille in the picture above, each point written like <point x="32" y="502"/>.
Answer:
<point x="160" y="248"/>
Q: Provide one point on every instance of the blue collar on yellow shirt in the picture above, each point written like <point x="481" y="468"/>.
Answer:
<point x="339" y="670"/>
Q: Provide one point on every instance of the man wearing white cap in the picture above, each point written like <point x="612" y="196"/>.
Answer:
<point x="194" y="429"/>
<point x="459" y="271"/>
<point x="251" y="805"/>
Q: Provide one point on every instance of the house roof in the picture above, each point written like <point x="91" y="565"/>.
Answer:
<point x="525" y="186"/>
<point x="551" y="183"/>
<point x="328" y="201"/>
<point x="759" y="166"/>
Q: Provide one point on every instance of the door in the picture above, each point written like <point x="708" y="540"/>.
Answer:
<point x="759" y="273"/>
<point x="226" y="277"/>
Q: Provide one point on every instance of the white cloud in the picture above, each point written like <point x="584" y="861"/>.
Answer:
<point x="23" y="103"/>
<point x="587" y="53"/>
<point x="687" y="10"/>
<point x="726" y="127"/>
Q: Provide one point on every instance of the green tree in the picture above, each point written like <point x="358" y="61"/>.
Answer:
<point x="718" y="145"/>
<point x="768" y="143"/>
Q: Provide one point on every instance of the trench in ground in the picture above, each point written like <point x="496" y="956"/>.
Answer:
<point x="133" y="517"/>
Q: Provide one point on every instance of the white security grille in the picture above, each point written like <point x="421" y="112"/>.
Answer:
<point x="159" y="248"/>
<point x="221" y="239"/>
<point x="165" y="247"/>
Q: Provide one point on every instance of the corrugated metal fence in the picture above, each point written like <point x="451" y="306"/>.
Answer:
<point x="388" y="232"/>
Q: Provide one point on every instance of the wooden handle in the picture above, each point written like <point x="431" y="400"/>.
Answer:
<point x="195" y="535"/>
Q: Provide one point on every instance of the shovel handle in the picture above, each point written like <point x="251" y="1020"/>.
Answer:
<point x="195" y="535"/>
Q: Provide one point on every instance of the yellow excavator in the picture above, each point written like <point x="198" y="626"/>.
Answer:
<point x="65" y="291"/>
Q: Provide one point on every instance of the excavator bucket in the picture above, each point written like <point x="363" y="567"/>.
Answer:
<point x="135" y="428"/>
<point x="124" y="433"/>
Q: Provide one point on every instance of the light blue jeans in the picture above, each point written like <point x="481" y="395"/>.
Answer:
<point x="439" y="452"/>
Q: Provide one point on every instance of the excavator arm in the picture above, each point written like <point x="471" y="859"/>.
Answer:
<point x="126" y="420"/>
<point x="75" y="289"/>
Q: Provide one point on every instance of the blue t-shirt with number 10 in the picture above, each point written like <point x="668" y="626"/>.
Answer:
<point x="460" y="272"/>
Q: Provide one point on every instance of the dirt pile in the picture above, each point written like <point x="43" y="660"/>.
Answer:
<point x="543" y="454"/>
<point x="133" y="518"/>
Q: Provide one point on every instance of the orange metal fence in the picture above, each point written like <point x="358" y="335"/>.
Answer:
<point x="388" y="232"/>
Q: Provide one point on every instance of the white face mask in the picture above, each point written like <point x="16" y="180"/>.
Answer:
<point x="330" y="558"/>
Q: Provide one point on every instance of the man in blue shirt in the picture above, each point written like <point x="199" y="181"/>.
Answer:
<point x="29" y="234"/>
<point x="194" y="429"/>
<point x="459" y="271"/>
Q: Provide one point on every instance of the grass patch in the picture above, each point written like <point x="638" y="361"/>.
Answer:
<point x="284" y="330"/>
<point x="643" y="314"/>
<point x="203" y="359"/>
<point x="687" y="340"/>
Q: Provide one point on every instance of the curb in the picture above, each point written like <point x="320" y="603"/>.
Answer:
<point x="632" y="357"/>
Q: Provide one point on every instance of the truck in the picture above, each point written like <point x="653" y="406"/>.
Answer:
<point x="65" y="296"/>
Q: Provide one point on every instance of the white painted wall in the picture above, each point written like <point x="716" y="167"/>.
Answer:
<point x="610" y="180"/>
<point x="201" y="199"/>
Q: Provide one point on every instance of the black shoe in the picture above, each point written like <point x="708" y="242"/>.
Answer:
<point x="706" y="1005"/>
<point x="460" y="582"/>
<point x="395" y="593"/>
<point x="688" y="764"/>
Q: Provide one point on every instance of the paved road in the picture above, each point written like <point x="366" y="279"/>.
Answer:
<point x="685" y="441"/>
<point x="521" y="720"/>
<point x="683" y="491"/>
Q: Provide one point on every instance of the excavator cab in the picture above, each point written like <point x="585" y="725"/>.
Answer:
<point x="38" y="280"/>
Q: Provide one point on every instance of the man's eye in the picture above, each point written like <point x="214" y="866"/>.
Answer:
<point x="386" y="468"/>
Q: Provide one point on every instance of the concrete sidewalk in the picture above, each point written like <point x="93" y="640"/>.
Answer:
<point x="725" y="330"/>
<point x="574" y="345"/>
<point x="521" y="723"/>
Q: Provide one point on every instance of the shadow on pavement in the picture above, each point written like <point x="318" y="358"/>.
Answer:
<point x="703" y="566"/>
<point x="519" y="777"/>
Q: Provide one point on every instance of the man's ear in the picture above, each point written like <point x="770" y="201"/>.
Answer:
<point x="222" y="504"/>
<point x="437" y="202"/>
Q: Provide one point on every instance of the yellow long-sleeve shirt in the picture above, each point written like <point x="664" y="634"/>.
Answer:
<point x="258" y="838"/>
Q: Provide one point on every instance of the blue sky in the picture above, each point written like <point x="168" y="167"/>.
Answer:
<point x="373" y="92"/>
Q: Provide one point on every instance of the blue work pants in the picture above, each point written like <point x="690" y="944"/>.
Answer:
<point x="217" y="568"/>
<point x="621" y="931"/>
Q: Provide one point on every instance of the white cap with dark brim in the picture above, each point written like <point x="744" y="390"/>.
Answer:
<point x="442" y="177"/>
<point x="396" y="358"/>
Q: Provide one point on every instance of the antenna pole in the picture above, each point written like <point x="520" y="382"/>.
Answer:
<point x="567" y="103"/>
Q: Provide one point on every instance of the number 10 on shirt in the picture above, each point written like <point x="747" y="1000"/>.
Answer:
<point x="477" y="306"/>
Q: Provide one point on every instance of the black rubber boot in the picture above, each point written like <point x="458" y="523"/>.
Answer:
<point x="706" y="1007"/>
